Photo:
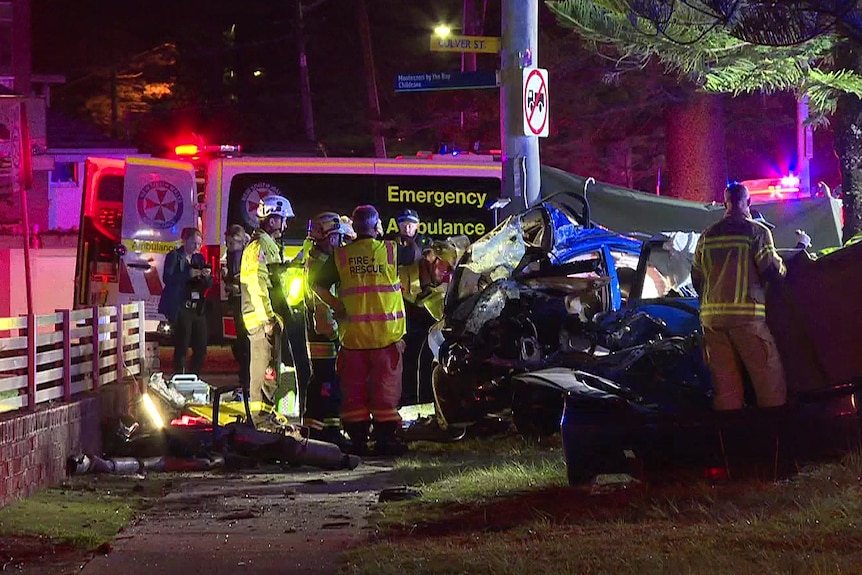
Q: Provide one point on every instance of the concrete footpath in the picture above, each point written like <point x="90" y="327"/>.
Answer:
<point x="294" y="522"/>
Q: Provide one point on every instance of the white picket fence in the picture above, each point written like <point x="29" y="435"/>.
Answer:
<point x="55" y="356"/>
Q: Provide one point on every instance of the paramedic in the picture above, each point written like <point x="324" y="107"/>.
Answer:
<point x="187" y="277"/>
<point x="733" y="261"/>
<point x="323" y="396"/>
<point x="235" y="240"/>
<point x="263" y="325"/>
<point x="371" y="310"/>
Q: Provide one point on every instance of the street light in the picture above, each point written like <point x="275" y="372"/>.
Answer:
<point x="442" y="31"/>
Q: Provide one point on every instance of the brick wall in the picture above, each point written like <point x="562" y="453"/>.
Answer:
<point x="34" y="445"/>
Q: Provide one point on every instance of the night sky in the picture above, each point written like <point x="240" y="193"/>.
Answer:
<point x="83" y="39"/>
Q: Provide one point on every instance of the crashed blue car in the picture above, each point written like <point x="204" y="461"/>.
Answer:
<point x="522" y="297"/>
<point x="640" y="401"/>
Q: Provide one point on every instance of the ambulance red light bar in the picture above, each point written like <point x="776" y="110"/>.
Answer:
<point x="194" y="150"/>
<point x="771" y="189"/>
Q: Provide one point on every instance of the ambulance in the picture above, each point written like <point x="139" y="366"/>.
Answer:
<point x="134" y="210"/>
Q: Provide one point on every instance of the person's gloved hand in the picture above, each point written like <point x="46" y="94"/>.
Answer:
<point x="803" y="240"/>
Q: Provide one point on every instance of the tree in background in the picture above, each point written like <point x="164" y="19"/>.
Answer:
<point x="743" y="47"/>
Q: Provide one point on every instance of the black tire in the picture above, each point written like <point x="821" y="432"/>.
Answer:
<point x="536" y="411"/>
<point x="593" y="452"/>
<point x="454" y="398"/>
<point x="424" y="375"/>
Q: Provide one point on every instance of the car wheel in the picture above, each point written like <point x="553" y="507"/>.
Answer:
<point x="425" y="368"/>
<point x="591" y="451"/>
<point x="536" y="411"/>
<point x="455" y="398"/>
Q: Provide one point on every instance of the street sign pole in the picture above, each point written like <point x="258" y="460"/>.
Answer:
<point x="519" y="50"/>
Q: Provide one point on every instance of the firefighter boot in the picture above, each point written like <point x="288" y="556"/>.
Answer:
<point x="358" y="434"/>
<point x="332" y="434"/>
<point x="387" y="441"/>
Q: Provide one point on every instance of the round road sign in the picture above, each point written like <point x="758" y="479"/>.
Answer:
<point x="535" y="97"/>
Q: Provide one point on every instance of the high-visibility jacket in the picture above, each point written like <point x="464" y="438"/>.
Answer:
<point x="408" y="274"/>
<point x="371" y="294"/>
<point x="256" y="281"/>
<point x="410" y="285"/>
<point x="321" y="329"/>
<point x="433" y="300"/>
<point x="734" y="257"/>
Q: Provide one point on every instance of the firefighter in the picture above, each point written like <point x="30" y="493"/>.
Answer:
<point x="419" y="321"/>
<point x="256" y="285"/>
<point x="236" y="239"/>
<point x="435" y="272"/>
<point x="323" y="396"/>
<point x="371" y="310"/>
<point x="733" y="261"/>
<point x="187" y="277"/>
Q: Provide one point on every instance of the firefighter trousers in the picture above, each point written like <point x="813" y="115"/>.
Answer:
<point x="240" y="348"/>
<point x="323" y="402"/>
<point x="750" y="349"/>
<point x="293" y="346"/>
<point x="265" y="363"/>
<point x="370" y="383"/>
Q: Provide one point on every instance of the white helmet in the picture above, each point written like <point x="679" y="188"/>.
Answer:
<point x="274" y="205"/>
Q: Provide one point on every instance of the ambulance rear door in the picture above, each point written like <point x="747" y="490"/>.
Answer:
<point x="101" y="217"/>
<point x="159" y="199"/>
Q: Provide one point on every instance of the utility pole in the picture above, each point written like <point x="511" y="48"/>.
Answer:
<point x="519" y="50"/>
<point x="304" y="83"/>
<point x="370" y="77"/>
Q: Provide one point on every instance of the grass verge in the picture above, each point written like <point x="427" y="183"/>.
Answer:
<point x="507" y="510"/>
<point x="84" y="512"/>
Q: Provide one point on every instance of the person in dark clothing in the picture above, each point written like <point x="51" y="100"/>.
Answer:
<point x="235" y="241"/>
<point x="419" y="321"/>
<point x="187" y="277"/>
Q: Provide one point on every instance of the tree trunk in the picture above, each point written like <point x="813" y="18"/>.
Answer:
<point x="848" y="142"/>
<point x="696" y="160"/>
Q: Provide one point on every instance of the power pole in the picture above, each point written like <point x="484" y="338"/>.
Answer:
<point x="304" y="83"/>
<point x="370" y="77"/>
<point x="519" y="50"/>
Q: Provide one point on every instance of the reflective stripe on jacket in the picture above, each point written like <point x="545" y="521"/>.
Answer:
<point x="371" y="294"/>
<point x="255" y="280"/>
<point x="735" y="256"/>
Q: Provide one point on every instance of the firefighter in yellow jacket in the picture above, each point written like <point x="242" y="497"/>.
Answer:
<point x="262" y="322"/>
<point x="370" y="309"/>
<point x="733" y="261"/>
<point x="322" y="408"/>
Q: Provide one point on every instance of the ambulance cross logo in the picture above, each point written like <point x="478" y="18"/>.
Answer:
<point x="160" y="204"/>
<point x="251" y="198"/>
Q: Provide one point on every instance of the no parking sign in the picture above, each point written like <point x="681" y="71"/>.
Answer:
<point x="535" y="102"/>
